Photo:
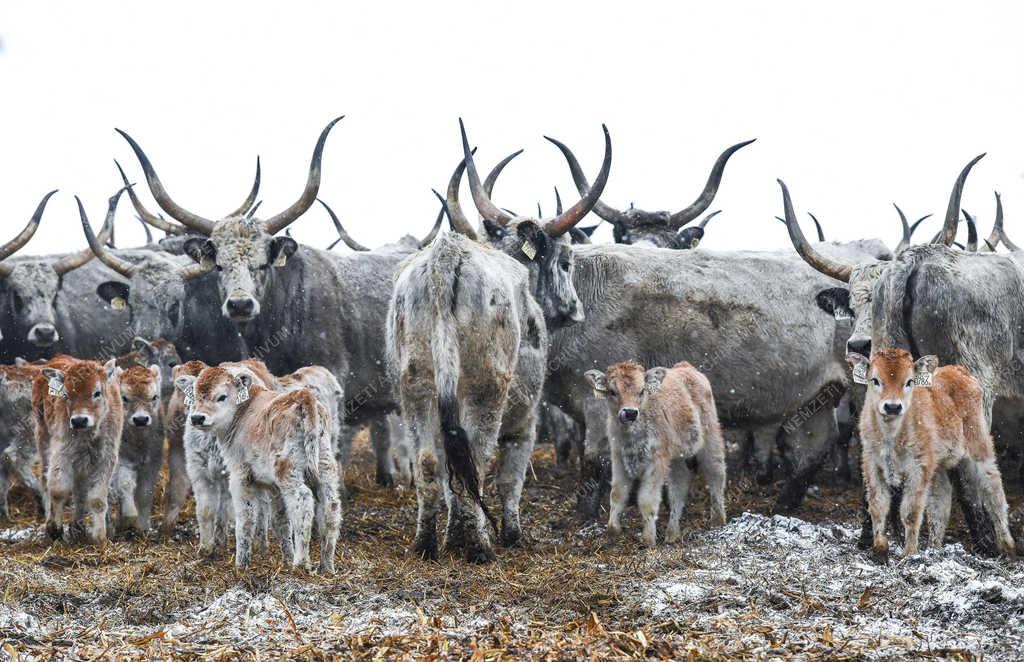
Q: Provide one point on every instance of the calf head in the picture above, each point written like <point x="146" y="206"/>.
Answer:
<point x="140" y="395"/>
<point x="244" y="250"/>
<point x="862" y="278"/>
<point x="891" y="376"/>
<point x="215" y="396"/>
<point x="544" y="247"/>
<point x="660" y="229"/>
<point x="626" y="387"/>
<point x="87" y="388"/>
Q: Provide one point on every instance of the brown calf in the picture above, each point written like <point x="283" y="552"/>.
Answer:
<point x="660" y="422"/>
<point x="918" y="422"/>
<point x="78" y="418"/>
<point x="142" y="447"/>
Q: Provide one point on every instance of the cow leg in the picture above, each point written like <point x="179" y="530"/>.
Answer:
<point x="380" y="437"/>
<point x="178" y="483"/>
<point x="278" y="513"/>
<point x="207" y="496"/>
<point x="940" y="500"/>
<point x="246" y="503"/>
<point x="401" y="451"/>
<point x="23" y="458"/>
<point x="145" y="488"/>
<point x="5" y="484"/>
<point x="58" y="485"/>
<point x="467" y="525"/>
<point x="422" y="428"/>
<point x="328" y="505"/>
<point x="804" y="449"/>
<point x="711" y="466"/>
<point x="762" y="443"/>
<point x="513" y="461"/>
<point x="125" y="481"/>
<point x="595" y="463"/>
<point x="678" y="491"/>
<point x="915" y="496"/>
<point x="648" y="499"/>
<point x="846" y="423"/>
<point x="618" y="499"/>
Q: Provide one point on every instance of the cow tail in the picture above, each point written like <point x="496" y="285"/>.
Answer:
<point x="445" y="267"/>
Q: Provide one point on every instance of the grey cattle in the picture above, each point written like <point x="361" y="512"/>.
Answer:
<point x="660" y="229"/>
<point x="467" y="337"/>
<point x="297" y="305"/>
<point x="17" y="442"/>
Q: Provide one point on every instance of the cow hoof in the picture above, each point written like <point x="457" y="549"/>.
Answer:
<point x="54" y="531"/>
<point x="511" y="537"/>
<point x="864" y="542"/>
<point x="426" y="549"/>
<point x="480" y="554"/>
<point x="880" y="554"/>
<point x="384" y="478"/>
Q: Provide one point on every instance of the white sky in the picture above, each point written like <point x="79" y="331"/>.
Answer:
<point x="854" y="106"/>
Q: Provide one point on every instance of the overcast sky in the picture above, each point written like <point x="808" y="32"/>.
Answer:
<point x="855" y="106"/>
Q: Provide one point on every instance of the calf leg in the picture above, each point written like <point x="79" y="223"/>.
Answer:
<point x="208" y="497"/>
<point x="994" y="500"/>
<point x="58" y="485"/>
<point x="277" y="511"/>
<point x="125" y="481"/>
<point x="23" y="457"/>
<point x="678" y="491"/>
<point x="380" y="437"/>
<point x="915" y="495"/>
<point x="298" y="500"/>
<point x="595" y="462"/>
<point x="5" y="485"/>
<point x="178" y="484"/>
<point x="648" y="498"/>
<point x="329" y="515"/>
<point x="246" y="503"/>
<point x="145" y="488"/>
<point x="940" y="499"/>
<point x="95" y="506"/>
<point x="619" y="496"/>
<point x="513" y="460"/>
<point x="711" y="465"/>
<point x="878" y="498"/>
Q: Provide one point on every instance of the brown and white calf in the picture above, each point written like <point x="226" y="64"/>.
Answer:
<point x="79" y="418"/>
<point x="142" y="447"/>
<point x="271" y="442"/>
<point x="662" y="426"/>
<point x="918" y="422"/>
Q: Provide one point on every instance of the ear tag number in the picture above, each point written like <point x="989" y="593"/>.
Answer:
<point x="860" y="373"/>
<point x="207" y="263"/>
<point x="242" y="395"/>
<point x="529" y="250"/>
<point x="280" y="260"/>
<point x="117" y="303"/>
<point x="56" y="389"/>
<point x="841" y="314"/>
<point x="923" y="379"/>
<point x="190" y="397"/>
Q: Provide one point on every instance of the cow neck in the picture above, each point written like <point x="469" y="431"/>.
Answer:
<point x="229" y="435"/>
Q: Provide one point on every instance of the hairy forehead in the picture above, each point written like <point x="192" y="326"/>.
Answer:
<point x="191" y="368"/>
<point x="82" y="375"/>
<point x="210" y="379"/>
<point x="891" y="362"/>
<point x="137" y="379"/>
<point x="33" y="275"/>
<point x="626" y="374"/>
<point x="238" y="234"/>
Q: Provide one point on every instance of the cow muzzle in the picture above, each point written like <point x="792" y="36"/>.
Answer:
<point x="628" y="415"/>
<point x="891" y="408"/>
<point x="142" y="420"/>
<point x="43" y="335"/>
<point x="199" y="420"/>
<point x="241" y="308"/>
<point x="860" y="346"/>
<point x="81" y="422"/>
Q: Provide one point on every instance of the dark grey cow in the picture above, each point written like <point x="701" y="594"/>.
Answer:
<point x="660" y="229"/>
<point x="467" y="337"/>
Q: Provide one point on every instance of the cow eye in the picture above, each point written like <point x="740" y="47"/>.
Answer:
<point x="222" y="398"/>
<point x="219" y="268"/>
<point x="565" y="266"/>
<point x="97" y="394"/>
<point x="155" y="398"/>
<point x="124" y="399"/>
<point x="875" y="382"/>
<point x="910" y="382"/>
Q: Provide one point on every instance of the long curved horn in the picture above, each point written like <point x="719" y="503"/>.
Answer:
<point x="913" y="226"/>
<point x="993" y="237"/>
<point x="703" y="201"/>
<point x="188" y="272"/>
<point x="710" y="216"/>
<point x="252" y="211"/>
<point x="817" y="226"/>
<point x="905" y="241"/>
<point x="604" y="211"/>
<point x="434" y="230"/>
<point x="948" y="233"/>
<point x="456" y="218"/>
<point x="558" y="202"/>
<point x="823" y="264"/>
<point x="146" y="216"/>
<point x="145" y="228"/>
<point x="342" y="234"/>
<point x="275" y="224"/>
<point x="118" y="264"/>
<point x="492" y="176"/>
<point x="999" y="224"/>
<point x="252" y="194"/>
<point x="483" y="203"/>
<point x="573" y="215"/>
<point x="156" y="187"/>
<point x="75" y="260"/>
<point x="972" y="233"/>
<point x="14" y="245"/>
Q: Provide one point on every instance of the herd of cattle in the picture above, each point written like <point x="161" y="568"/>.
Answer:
<point x="256" y="360"/>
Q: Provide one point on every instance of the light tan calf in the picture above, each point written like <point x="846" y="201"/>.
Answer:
<point x="660" y="423"/>
<point x="913" y="433"/>
<point x="78" y="418"/>
<point x="271" y="442"/>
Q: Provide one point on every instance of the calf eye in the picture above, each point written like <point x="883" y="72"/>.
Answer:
<point x="910" y="382"/>
<point x="875" y="382"/>
<point x="123" y="399"/>
<point x="222" y="398"/>
<point x="97" y="395"/>
<point x="155" y="398"/>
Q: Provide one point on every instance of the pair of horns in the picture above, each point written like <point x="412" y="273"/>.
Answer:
<point x="343" y="235"/>
<point x="842" y="271"/>
<point x="563" y="221"/>
<point x="205" y="226"/>
<point x="115" y="262"/>
<point x="676" y="220"/>
<point x="16" y="244"/>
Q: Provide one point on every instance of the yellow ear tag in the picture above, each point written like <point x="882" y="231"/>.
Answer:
<point x="529" y="250"/>
<point x="207" y="263"/>
<point x="281" y="260"/>
<point x="117" y="303"/>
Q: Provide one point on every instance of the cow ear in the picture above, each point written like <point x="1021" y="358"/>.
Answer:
<point x="535" y="240"/>
<point x="836" y="301"/>
<point x="924" y="368"/>
<point x="184" y="382"/>
<point x="859" y="363"/>
<point x="282" y="248"/>
<point x="114" y="293"/>
<point x="110" y="368"/>
<point x="494" y="231"/>
<point x="653" y="379"/>
<point x="53" y="375"/>
<point x="588" y="230"/>
<point x="155" y="369"/>
<point x="597" y="380"/>
<point x="201" y="250"/>
<point x="690" y="237"/>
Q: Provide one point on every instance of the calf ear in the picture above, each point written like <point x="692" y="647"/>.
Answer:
<point x="835" y="300"/>
<point x="653" y="379"/>
<point x="114" y="293"/>
<point x="924" y="367"/>
<point x="243" y="382"/>
<point x="155" y="369"/>
<point x="860" y="367"/>
<point x="150" y="354"/>
<point x="201" y="250"/>
<point x="110" y="368"/>
<point x="184" y="382"/>
<point x="20" y="361"/>
<point x="597" y="380"/>
<point x="282" y="248"/>
<point x="690" y="237"/>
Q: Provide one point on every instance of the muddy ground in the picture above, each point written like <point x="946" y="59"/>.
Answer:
<point x="762" y="586"/>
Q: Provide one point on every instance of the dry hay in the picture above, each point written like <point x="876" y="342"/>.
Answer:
<point x="760" y="587"/>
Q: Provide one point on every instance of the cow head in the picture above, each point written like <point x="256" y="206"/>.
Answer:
<point x="140" y="395"/>
<point x="28" y="288"/>
<point x="160" y="352"/>
<point x="215" y="396"/>
<point x="543" y="246"/>
<point x="861" y="278"/>
<point x="243" y="249"/>
<point x="88" y="388"/>
<point x="626" y="387"/>
<point x="661" y="229"/>
<point x="891" y="375"/>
